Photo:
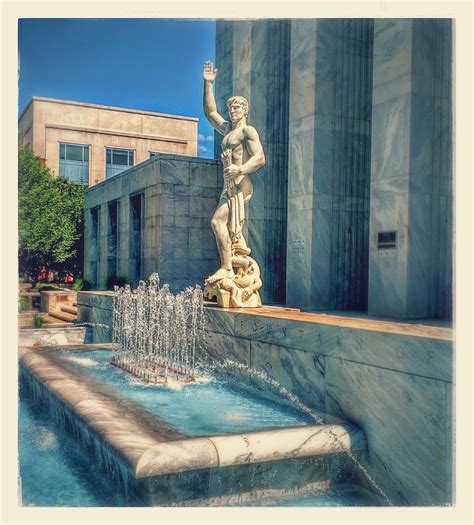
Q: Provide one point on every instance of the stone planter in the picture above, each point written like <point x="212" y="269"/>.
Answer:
<point x="53" y="300"/>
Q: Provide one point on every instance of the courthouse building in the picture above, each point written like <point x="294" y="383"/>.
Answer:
<point x="89" y="143"/>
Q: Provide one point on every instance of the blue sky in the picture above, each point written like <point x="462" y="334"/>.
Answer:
<point x="150" y="64"/>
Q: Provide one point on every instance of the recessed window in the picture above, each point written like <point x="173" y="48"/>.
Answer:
<point x="117" y="160"/>
<point x="74" y="162"/>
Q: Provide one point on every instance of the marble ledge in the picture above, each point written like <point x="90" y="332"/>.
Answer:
<point x="151" y="449"/>
<point x="329" y="319"/>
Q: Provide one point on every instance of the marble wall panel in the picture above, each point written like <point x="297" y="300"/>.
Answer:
<point x="174" y="236"/>
<point x="423" y="356"/>
<point x="387" y="267"/>
<point x="301" y="158"/>
<point x="299" y="282"/>
<point x="221" y="347"/>
<point x="200" y="269"/>
<point x="219" y="321"/>
<point x="302" y="66"/>
<point x="202" y="207"/>
<point x="412" y="469"/>
<point x="301" y="373"/>
<point x="299" y="335"/>
<point x="174" y="172"/>
<point x="392" y="49"/>
<point x="204" y="175"/>
<point x="247" y="480"/>
<point x="410" y="127"/>
<point x="391" y="135"/>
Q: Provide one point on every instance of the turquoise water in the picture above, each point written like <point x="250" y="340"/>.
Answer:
<point x="203" y="408"/>
<point x="55" y="471"/>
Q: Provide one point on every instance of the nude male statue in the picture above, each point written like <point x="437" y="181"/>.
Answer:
<point x="242" y="155"/>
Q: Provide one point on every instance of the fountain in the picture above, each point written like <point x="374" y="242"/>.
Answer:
<point x="157" y="333"/>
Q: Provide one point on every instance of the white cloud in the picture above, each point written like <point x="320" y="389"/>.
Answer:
<point x="201" y="137"/>
<point x="210" y="138"/>
<point x="202" y="149"/>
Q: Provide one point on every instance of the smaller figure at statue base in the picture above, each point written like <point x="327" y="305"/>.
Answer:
<point x="241" y="290"/>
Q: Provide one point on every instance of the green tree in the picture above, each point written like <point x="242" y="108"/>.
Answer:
<point x="50" y="218"/>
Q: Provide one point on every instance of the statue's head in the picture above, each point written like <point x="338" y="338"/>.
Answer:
<point x="238" y="107"/>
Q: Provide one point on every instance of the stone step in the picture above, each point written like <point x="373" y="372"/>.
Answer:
<point x="69" y="309"/>
<point x="64" y="316"/>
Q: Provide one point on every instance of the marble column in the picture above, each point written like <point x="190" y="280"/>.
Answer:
<point x="253" y="61"/>
<point x="329" y="163"/>
<point x="411" y="175"/>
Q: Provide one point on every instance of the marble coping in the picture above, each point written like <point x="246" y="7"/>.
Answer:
<point x="415" y="329"/>
<point x="422" y="328"/>
<point x="150" y="447"/>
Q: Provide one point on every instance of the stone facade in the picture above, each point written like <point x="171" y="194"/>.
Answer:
<point x="355" y="117"/>
<point x="411" y="176"/>
<point x="45" y="123"/>
<point x="154" y="217"/>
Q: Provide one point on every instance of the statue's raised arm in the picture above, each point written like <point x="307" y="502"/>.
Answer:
<point x="210" y="107"/>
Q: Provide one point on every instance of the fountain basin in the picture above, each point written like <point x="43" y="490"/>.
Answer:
<point x="164" y="465"/>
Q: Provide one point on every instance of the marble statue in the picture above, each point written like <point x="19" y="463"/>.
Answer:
<point x="242" y="155"/>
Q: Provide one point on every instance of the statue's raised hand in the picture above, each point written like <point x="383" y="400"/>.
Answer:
<point x="209" y="73"/>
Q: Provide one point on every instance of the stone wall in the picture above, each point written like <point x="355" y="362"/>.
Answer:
<point x="393" y="380"/>
<point x="411" y="176"/>
<point x="66" y="335"/>
<point x="355" y="116"/>
<point x="179" y="196"/>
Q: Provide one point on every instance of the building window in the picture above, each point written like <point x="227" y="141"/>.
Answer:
<point x="136" y="238"/>
<point x="153" y="154"/>
<point x="117" y="160"/>
<point x="94" y="255"/>
<point x="74" y="162"/>
<point x="113" y="239"/>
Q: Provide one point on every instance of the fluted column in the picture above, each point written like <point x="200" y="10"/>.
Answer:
<point x="329" y="163"/>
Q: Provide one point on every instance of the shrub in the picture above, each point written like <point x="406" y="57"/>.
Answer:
<point x="81" y="284"/>
<point x="38" y="321"/>
<point x="22" y="304"/>
<point x="47" y="287"/>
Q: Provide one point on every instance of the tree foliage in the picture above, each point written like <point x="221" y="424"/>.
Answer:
<point x="50" y="218"/>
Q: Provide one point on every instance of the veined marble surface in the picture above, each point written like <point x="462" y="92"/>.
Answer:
<point x="394" y="380"/>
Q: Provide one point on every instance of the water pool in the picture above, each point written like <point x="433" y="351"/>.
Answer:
<point x="136" y="420"/>
<point x="206" y="407"/>
<point x="56" y="472"/>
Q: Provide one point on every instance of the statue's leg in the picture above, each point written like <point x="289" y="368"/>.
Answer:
<point x="221" y="232"/>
